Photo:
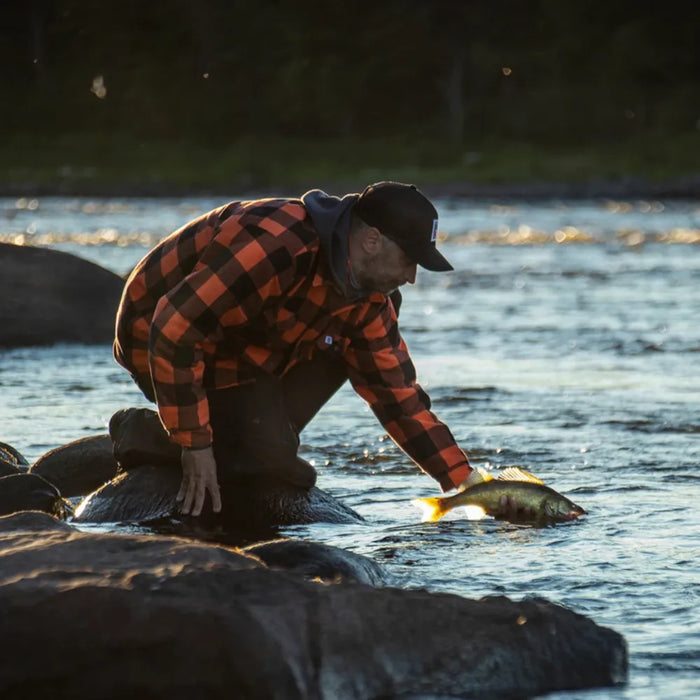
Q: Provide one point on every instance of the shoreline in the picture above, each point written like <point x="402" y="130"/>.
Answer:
<point x="683" y="187"/>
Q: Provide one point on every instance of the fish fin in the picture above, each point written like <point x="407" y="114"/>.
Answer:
<point x="478" y="476"/>
<point x="518" y="474"/>
<point x="432" y="508"/>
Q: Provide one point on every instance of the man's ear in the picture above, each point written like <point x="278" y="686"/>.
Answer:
<point x="371" y="241"/>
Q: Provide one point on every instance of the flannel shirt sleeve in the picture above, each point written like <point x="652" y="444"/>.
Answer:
<point x="382" y="373"/>
<point x="229" y="286"/>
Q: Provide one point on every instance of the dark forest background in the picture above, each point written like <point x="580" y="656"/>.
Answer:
<point x="190" y="92"/>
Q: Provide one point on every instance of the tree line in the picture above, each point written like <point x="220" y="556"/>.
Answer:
<point x="460" y="72"/>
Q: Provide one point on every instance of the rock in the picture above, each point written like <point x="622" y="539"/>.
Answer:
<point x="32" y="521"/>
<point x="319" y="562"/>
<point x="30" y="492"/>
<point x="48" y="296"/>
<point x="80" y="467"/>
<point x="148" y="488"/>
<point x="107" y="615"/>
<point x="7" y="469"/>
<point x="148" y="492"/>
<point x="141" y="494"/>
<point x="139" y="438"/>
<point x="11" y="461"/>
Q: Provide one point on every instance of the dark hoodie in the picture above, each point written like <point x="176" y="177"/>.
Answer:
<point x="332" y="217"/>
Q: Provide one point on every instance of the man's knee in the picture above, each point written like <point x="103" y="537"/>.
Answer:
<point x="254" y="436"/>
<point x="278" y="461"/>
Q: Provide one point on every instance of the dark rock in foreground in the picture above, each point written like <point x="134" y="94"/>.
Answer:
<point x="48" y="296"/>
<point x="79" y="467"/>
<point x="105" y="616"/>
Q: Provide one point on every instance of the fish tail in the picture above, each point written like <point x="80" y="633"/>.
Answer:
<point x="433" y="508"/>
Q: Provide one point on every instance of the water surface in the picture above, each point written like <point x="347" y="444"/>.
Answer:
<point x="566" y="342"/>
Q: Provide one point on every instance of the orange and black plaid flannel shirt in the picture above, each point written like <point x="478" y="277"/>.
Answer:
<point x="247" y="285"/>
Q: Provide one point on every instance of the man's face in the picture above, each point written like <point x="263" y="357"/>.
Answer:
<point x="387" y="270"/>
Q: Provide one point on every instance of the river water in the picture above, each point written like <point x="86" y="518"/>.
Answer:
<point x="566" y="342"/>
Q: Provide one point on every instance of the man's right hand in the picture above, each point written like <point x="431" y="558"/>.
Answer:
<point x="198" y="477"/>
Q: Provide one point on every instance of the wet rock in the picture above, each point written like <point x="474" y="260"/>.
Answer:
<point x="106" y="615"/>
<point x="148" y="492"/>
<point x="30" y="492"/>
<point x="321" y="562"/>
<point x="141" y="494"/>
<point x="11" y="460"/>
<point x="48" y="296"/>
<point x="80" y="467"/>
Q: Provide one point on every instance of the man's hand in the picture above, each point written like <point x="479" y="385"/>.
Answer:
<point x="198" y="477"/>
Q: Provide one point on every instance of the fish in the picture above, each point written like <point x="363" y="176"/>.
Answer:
<point x="484" y="492"/>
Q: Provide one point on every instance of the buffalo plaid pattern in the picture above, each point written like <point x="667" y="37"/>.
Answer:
<point x="246" y="286"/>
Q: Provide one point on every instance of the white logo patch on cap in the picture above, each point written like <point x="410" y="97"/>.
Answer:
<point x="433" y="233"/>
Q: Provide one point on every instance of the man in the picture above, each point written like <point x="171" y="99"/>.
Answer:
<point x="243" y="323"/>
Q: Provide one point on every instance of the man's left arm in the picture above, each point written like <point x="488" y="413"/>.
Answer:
<point x="382" y="373"/>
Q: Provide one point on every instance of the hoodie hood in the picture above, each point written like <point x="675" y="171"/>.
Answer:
<point x="331" y="217"/>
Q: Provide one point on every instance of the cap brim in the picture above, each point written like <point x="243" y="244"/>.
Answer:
<point x="432" y="259"/>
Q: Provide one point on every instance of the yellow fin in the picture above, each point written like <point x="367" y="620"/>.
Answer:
<point x="517" y="474"/>
<point x="432" y="508"/>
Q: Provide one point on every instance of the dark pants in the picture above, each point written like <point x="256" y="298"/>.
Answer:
<point x="256" y="426"/>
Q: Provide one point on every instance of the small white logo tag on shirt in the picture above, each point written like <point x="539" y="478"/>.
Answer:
<point x="433" y="233"/>
<point x="329" y="340"/>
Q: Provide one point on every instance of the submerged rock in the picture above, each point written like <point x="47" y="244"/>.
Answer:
<point x="319" y="562"/>
<point x="148" y="492"/>
<point x="48" y="296"/>
<point x="79" y="467"/>
<point x="106" y="615"/>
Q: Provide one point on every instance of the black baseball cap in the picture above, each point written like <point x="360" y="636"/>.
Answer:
<point x="405" y="215"/>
